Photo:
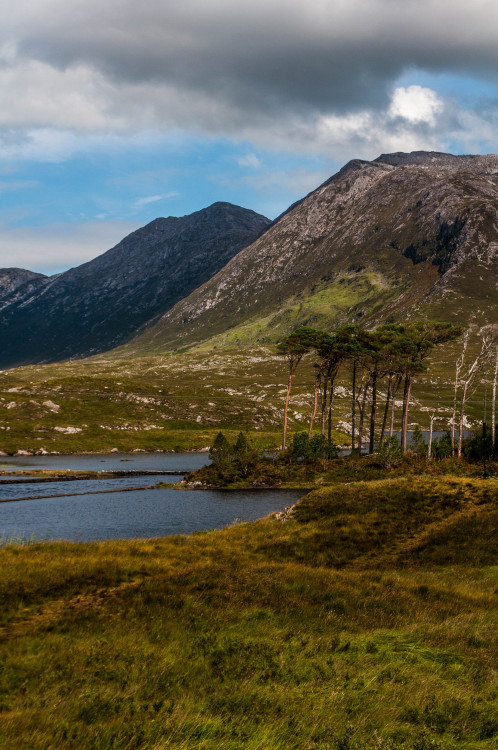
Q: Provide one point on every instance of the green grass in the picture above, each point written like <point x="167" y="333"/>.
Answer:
<point x="180" y="402"/>
<point x="367" y="620"/>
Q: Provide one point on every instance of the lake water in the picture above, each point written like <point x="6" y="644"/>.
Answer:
<point x="102" y="514"/>
<point x="108" y="462"/>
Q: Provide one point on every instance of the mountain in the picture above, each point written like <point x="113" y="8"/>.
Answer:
<point x="100" y="304"/>
<point x="403" y="235"/>
<point x="14" y="279"/>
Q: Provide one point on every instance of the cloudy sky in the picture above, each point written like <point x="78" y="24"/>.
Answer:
<point x="115" y="113"/>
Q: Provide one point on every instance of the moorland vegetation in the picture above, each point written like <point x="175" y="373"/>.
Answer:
<point x="362" y="618"/>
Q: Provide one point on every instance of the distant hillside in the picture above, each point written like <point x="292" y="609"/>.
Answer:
<point x="404" y="235"/>
<point x="17" y="281"/>
<point x="102" y="303"/>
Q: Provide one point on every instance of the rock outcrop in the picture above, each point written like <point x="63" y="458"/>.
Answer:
<point x="18" y="281"/>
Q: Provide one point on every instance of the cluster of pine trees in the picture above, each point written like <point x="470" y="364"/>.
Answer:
<point x="391" y="354"/>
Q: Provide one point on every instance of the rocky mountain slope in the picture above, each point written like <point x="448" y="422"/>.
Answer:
<point x="102" y="303"/>
<point x="13" y="279"/>
<point x="404" y="235"/>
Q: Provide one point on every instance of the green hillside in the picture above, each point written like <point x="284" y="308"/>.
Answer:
<point x="181" y="401"/>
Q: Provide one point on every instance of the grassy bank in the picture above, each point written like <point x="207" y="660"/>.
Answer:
<point x="366" y="620"/>
<point x="283" y="471"/>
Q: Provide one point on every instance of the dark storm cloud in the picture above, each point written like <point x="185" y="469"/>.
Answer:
<point x="316" y="55"/>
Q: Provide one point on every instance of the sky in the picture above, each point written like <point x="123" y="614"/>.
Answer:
<point x="116" y="113"/>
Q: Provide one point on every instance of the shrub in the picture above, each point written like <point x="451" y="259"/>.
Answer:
<point x="441" y="447"/>
<point x="312" y="450"/>
<point x="390" y="453"/>
<point x="418" y="443"/>
<point x="479" y="447"/>
<point x="221" y="450"/>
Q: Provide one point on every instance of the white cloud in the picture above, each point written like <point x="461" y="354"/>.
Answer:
<point x="416" y="104"/>
<point x="37" y="94"/>
<point x="141" y="202"/>
<point x="250" y="160"/>
<point x="305" y="76"/>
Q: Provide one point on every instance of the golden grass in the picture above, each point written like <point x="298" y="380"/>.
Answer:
<point x="365" y="621"/>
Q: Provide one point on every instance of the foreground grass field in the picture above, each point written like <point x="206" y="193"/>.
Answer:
<point x="365" y="620"/>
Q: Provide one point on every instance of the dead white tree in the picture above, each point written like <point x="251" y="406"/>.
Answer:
<point x="458" y="368"/>
<point x="489" y="335"/>
<point x="432" y="417"/>
<point x="493" y="402"/>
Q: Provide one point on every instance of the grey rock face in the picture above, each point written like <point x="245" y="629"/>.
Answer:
<point x="419" y="222"/>
<point x="102" y="303"/>
<point x="18" y="280"/>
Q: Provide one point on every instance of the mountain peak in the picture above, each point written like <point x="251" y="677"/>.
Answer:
<point x="400" y="236"/>
<point x="481" y="164"/>
<point x="103" y="302"/>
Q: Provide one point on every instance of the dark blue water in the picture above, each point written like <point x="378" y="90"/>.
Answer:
<point x="130" y="514"/>
<point x="108" y="462"/>
<point x="22" y="489"/>
<point x="137" y="514"/>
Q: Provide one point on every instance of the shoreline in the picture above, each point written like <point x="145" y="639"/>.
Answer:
<point x="50" y="454"/>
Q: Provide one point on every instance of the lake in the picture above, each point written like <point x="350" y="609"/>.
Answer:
<point x="95" y="511"/>
<point x="108" y="462"/>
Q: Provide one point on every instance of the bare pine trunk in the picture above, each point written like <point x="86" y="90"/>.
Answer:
<point x="429" y="447"/>
<point x="462" y="416"/>
<point x="353" y="408"/>
<point x="393" y="404"/>
<point x="315" y="405"/>
<point x="329" y="425"/>
<point x="286" y="407"/>
<point x="373" y="409"/>
<point x="386" y="410"/>
<point x="493" y="403"/>
<point x="459" y="365"/>
<point x="361" y="410"/>
<point x="324" y="404"/>
<point x="406" y="404"/>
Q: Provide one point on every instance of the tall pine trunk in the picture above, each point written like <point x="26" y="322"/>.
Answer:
<point x="462" y="417"/>
<point x="493" y="405"/>
<point x="406" y="405"/>
<point x="386" y="410"/>
<point x="315" y="405"/>
<point x="353" y="408"/>
<point x="286" y="408"/>
<point x="429" y="448"/>
<point x="393" y="403"/>
<point x="459" y="364"/>
<point x="361" y="410"/>
<point x="329" y="417"/>
<point x="373" y="408"/>
<point x="324" y="404"/>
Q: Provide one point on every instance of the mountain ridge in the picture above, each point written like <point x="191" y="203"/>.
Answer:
<point x="377" y="240"/>
<point x="101" y="303"/>
<point x="405" y="235"/>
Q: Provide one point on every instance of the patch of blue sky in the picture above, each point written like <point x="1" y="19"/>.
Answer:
<point x="140" y="180"/>
<point x="465" y="89"/>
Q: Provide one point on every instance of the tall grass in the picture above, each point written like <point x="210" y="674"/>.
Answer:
<point x="367" y="620"/>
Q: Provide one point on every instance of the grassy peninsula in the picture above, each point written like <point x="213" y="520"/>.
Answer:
<point x="365" y="617"/>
